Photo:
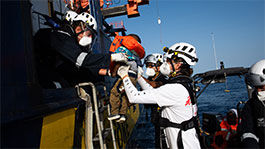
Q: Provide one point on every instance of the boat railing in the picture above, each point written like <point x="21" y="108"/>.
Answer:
<point x="102" y="132"/>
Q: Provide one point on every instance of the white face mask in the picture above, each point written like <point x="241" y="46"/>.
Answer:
<point x="85" y="41"/>
<point x="261" y="95"/>
<point x="165" y="69"/>
<point x="150" y="72"/>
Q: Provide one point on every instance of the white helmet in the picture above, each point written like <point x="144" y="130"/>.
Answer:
<point x="70" y="15"/>
<point x="159" y="57"/>
<point x="88" y="19"/>
<point x="256" y="73"/>
<point x="150" y="59"/>
<point x="185" y="51"/>
<point x="154" y="58"/>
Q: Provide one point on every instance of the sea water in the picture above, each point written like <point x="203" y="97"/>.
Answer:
<point x="213" y="100"/>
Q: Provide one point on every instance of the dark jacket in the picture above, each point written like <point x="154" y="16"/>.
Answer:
<point x="59" y="54"/>
<point x="252" y="127"/>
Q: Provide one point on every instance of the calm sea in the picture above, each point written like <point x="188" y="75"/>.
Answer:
<point x="213" y="100"/>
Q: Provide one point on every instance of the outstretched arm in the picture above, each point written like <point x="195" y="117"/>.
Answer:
<point x="66" y="46"/>
<point x="144" y="84"/>
<point x="133" y="94"/>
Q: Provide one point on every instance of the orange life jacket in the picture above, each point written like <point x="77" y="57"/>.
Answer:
<point x="75" y="4"/>
<point x="227" y="131"/>
<point x="130" y="43"/>
<point x="226" y="127"/>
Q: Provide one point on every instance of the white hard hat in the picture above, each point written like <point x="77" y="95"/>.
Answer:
<point x="185" y="51"/>
<point x="87" y="19"/>
<point x="150" y="59"/>
<point x="154" y="58"/>
<point x="70" y="15"/>
<point x="256" y="74"/>
<point x="159" y="57"/>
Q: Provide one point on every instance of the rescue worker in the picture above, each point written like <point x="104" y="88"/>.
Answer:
<point x="175" y="97"/>
<point x="228" y="125"/>
<point x="152" y="63"/>
<point x="155" y="79"/>
<point x="70" y="54"/>
<point x="252" y="127"/>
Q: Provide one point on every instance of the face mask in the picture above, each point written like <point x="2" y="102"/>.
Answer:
<point x="150" y="72"/>
<point x="165" y="69"/>
<point x="261" y="96"/>
<point x="85" y="41"/>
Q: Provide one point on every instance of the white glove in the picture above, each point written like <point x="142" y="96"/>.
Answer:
<point x="119" y="57"/>
<point x="123" y="71"/>
<point x="140" y="72"/>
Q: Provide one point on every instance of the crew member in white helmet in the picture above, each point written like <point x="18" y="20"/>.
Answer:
<point x="68" y="52"/>
<point x="155" y="79"/>
<point x="176" y="96"/>
<point x="252" y="127"/>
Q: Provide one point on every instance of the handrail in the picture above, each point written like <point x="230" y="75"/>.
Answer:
<point x="89" y="115"/>
<point x="111" y="123"/>
<point x="101" y="142"/>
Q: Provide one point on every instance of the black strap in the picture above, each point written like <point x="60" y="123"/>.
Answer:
<point x="189" y="124"/>
<point x="172" y="66"/>
<point x="179" y="140"/>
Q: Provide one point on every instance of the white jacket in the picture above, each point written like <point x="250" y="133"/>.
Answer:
<point x="177" y="108"/>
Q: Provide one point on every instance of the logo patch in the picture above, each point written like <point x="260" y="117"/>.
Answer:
<point x="188" y="102"/>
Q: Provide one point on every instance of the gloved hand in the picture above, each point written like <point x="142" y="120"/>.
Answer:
<point x="123" y="71"/>
<point x="140" y="72"/>
<point x="119" y="57"/>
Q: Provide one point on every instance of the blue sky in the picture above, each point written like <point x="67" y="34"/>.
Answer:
<point x="238" y="27"/>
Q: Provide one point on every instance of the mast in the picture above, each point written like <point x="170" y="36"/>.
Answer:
<point x="214" y="51"/>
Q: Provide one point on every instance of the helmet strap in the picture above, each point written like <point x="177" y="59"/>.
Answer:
<point x="173" y="71"/>
<point x="172" y="65"/>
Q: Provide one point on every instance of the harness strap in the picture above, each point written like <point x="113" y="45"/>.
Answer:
<point x="189" y="124"/>
<point x="179" y="140"/>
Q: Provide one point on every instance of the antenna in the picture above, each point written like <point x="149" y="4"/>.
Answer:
<point x="214" y="51"/>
